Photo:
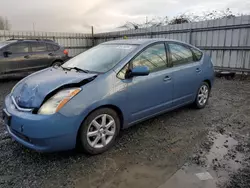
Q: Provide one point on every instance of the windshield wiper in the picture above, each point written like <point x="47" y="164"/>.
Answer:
<point x="71" y="68"/>
<point x="78" y="69"/>
<point x="60" y="66"/>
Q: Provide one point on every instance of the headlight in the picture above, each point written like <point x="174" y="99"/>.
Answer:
<point x="55" y="103"/>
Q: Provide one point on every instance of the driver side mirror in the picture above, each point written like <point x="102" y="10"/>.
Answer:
<point x="7" y="53"/>
<point x="138" y="71"/>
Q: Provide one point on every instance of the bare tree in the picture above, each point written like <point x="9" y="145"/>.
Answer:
<point x="154" y="22"/>
<point x="130" y="25"/>
<point x="179" y="19"/>
<point x="4" y="23"/>
<point x="158" y="21"/>
<point x="182" y="18"/>
<point x="211" y="15"/>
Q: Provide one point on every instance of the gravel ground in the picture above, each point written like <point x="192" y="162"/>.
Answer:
<point x="145" y="155"/>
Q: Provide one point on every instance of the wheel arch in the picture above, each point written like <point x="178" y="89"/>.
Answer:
<point x="56" y="60"/>
<point x="208" y="82"/>
<point x="113" y="107"/>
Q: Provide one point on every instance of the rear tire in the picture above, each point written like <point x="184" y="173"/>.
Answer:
<point x="202" y="96"/>
<point x="57" y="63"/>
<point x="99" y="131"/>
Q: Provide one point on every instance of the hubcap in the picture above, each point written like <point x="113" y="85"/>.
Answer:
<point x="203" y="95"/>
<point x="101" y="131"/>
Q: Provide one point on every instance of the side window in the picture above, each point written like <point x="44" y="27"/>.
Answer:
<point x="180" y="54"/>
<point x="56" y="47"/>
<point x="18" y="48"/>
<point x="198" y="54"/>
<point x="52" y="47"/>
<point x="49" y="47"/>
<point x="154" y="57"/>
<point x="38" y="47"/>
<point x="123" y="72"/>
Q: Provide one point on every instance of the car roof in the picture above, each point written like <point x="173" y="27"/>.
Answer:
<point x="4" y="43"/>
<point x="28" y="40"/>
<point x="145" y="42"/>
<point x="11" y="41"/>
<point x="138" y="41"/>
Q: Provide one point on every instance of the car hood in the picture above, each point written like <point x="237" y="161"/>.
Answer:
<point x="32" y="90"/>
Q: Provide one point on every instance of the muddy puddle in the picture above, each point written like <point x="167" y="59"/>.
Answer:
<point x="212" y="166"/>
<point x="223" y="154"/>
<point x="218" y="156"/>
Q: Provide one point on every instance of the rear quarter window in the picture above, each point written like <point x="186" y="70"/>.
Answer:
<point x="52" y="47"/>
<point x="56" y="47"/>
<point x="197" y="54"/>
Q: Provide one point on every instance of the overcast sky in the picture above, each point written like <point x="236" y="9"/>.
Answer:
<point x="104" y="15"/>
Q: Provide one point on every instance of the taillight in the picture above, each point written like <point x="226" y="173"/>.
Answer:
<point x="66" y="52"/>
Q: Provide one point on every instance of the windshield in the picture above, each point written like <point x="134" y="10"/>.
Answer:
<point x="101" y="58"/>
<point x="2" y="44"/>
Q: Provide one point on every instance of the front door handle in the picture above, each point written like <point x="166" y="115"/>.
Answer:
<point x="198" y="70"/>
<point x="27" y="56"/>
<point x="167" y="78"/>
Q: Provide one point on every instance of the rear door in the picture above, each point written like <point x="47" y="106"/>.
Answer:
<point x="53" y="52"/>
<point x="186" y="72"/>
<point x="18" y="59"/>
<point x="39" y="55"/>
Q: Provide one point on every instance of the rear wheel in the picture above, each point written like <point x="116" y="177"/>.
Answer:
<point x="99" y="131"/>
<point x="57" y="63"/>
<point x="202" y="96"/>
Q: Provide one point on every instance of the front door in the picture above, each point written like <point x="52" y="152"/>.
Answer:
<point x="152" y="94"/>
<point x="186" y="72"/>
<point x="18" y="58"/>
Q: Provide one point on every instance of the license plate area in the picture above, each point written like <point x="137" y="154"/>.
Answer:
<point x="6" y="117"/>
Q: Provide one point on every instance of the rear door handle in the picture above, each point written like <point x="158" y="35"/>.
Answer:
<point x="51" y="54"/>
<point x="167" y="78"/>
<point x="198" y="70"/>
<point x="27" y="56"/>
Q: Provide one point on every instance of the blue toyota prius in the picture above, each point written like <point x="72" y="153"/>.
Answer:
<point x="89" y="99"/>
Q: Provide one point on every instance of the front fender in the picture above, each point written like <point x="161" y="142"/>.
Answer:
<point x="104" y="91"/>
<point x="83" y="113"/>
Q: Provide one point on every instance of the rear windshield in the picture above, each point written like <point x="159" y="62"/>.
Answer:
<point x="101" y="58"/>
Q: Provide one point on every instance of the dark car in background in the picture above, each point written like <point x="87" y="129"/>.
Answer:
<point x="30" y="55"/>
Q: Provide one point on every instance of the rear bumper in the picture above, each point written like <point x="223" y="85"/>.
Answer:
<point x="40" y="132"/>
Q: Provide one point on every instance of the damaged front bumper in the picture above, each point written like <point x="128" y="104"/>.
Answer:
<point x="44" y="133"/>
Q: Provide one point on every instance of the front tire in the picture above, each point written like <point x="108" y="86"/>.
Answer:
<point x="202" y="96"/>
<point x="99" y="131"/>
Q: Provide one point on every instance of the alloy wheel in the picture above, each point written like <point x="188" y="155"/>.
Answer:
<point x="101" y="131"/>
<point x="203" y="95"/>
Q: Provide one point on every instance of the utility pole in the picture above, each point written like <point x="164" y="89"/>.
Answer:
<point x="5" y="25"/>
<point x="34" y="27"/>
<point x="147" y="25"/>
<point x="92" y="35"/>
